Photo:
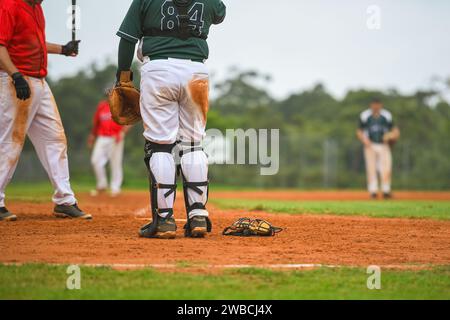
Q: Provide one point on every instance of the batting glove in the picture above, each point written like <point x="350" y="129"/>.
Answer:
<point x="71" y="48"/>
<point x="23" y="91"/>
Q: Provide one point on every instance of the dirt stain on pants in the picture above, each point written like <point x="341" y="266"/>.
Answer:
<point x="20" y="122"/>
<point x="61" y="133"/>
<point x="199" y="91"/>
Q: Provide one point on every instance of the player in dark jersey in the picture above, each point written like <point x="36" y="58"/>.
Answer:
<point x="376" y="130"/>
<point x="174" y="102"/>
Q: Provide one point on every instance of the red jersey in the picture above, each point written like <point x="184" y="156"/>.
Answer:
<point x="22" y="33"/>
<point x="104" y="125"/>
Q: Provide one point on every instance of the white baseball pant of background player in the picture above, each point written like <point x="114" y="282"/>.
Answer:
<point x="174" y="103"/>
<point x="378" y="160"/>
<point x="108" y="149"/>
<point x="37" y="117"/>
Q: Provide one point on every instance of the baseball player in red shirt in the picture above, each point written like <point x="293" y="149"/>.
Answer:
<point x="27" y="105"/>
<point x="109" y="143"/>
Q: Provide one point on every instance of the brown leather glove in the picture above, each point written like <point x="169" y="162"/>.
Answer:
<point x="124" y="100"/>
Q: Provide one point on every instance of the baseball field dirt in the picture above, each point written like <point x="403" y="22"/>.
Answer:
<point x="326" y="239"/>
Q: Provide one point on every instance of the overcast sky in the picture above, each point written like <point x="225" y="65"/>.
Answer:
<point x="298" y="42"/>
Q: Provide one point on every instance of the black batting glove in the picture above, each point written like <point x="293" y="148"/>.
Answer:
<point x="23" y="91"/>
<point x="70" y="49"/>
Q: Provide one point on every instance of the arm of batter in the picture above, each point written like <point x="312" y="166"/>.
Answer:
<point x="53" y="48"/>
<point x="69" y="49"/>
<point x="6" y="63"/>
<point x="23" y="91"/>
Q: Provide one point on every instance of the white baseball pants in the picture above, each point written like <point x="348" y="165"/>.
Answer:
<point x="378" y="161"/>
<point x="37" y="117"/>
<point x="108" y="149"/>
<point x="174" y="106"/>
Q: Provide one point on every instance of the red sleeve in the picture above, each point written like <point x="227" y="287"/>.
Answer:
<point x="41" y="16"/>
<point x="96" y="121"/>
<point x="7" y="25"/>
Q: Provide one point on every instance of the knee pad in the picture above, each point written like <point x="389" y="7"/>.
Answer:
<point x="193" y="168"/>
<point x="160" y="163"/>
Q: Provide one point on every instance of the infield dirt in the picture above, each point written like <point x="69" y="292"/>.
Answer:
<point x="111" y="238"/>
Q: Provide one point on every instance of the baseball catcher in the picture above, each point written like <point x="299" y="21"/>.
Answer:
<point x="27" y="104"/>
<point x="173" y="103"/>
<point x="378" y="134"/>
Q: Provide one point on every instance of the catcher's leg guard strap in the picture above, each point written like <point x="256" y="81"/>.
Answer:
<point x="194" y="171"/>
<point x="162" y="175"/>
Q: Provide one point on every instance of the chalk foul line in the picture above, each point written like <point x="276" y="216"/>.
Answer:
<point x="134" y="266"/>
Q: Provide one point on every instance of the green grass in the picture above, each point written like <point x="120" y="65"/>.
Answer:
<point x="37" y="192"/>
<point x="40" y="192"/>
<point x="49" y="282"/>
<point x="385" y="209"/>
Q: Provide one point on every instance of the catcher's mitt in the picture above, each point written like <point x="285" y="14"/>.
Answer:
<point x="246" y="227"/>
<point x="390" y="138"/>
<point x="124" y="101"/>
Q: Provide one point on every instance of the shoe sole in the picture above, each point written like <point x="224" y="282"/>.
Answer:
<point x="65" y="216"/>
<point x="198" y="232"/>
<point x="166" y="235"/>
<point x="10" y="218"/>
<point x="161" y="235"/>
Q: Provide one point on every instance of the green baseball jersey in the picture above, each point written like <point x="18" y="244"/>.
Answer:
<point x="147" y="15"/>
<point x="376" y="126"/>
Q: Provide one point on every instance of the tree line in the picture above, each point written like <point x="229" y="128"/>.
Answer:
<point x="318" y="147"/>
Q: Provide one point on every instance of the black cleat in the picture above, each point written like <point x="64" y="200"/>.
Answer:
<point x="5" y="215"/>
<point x="387" y="196"/>
<point x="374" y="196"/>
<point x="166" y="229"/>
<point x="72" y="212"/>
<point x="198" y="227"/>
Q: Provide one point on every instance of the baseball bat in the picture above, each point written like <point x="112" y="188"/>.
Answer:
<point x="74" y="19"/>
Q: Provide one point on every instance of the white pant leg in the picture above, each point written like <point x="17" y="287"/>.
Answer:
<point x="160" y="101"/>
<point x="15" y="119"/>
<point x="386" y="168"/>
<point x="46" y="132"/>
<point x="193" y="117"/>
<point x="370" y="156"/>
<point x="100" y="155"/>
<point x="116" y="160"/>
<point x="195" y="103"/>
<point x="160" y="91"/>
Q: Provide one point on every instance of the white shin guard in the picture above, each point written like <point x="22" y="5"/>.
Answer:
<point x="194" y="168"/>
<point x="162" y="166"/>
<point x="162" y="169"/>
<point x="162" y="175"/>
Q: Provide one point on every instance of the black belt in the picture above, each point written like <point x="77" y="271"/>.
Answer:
<point x="167" y="58"/>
